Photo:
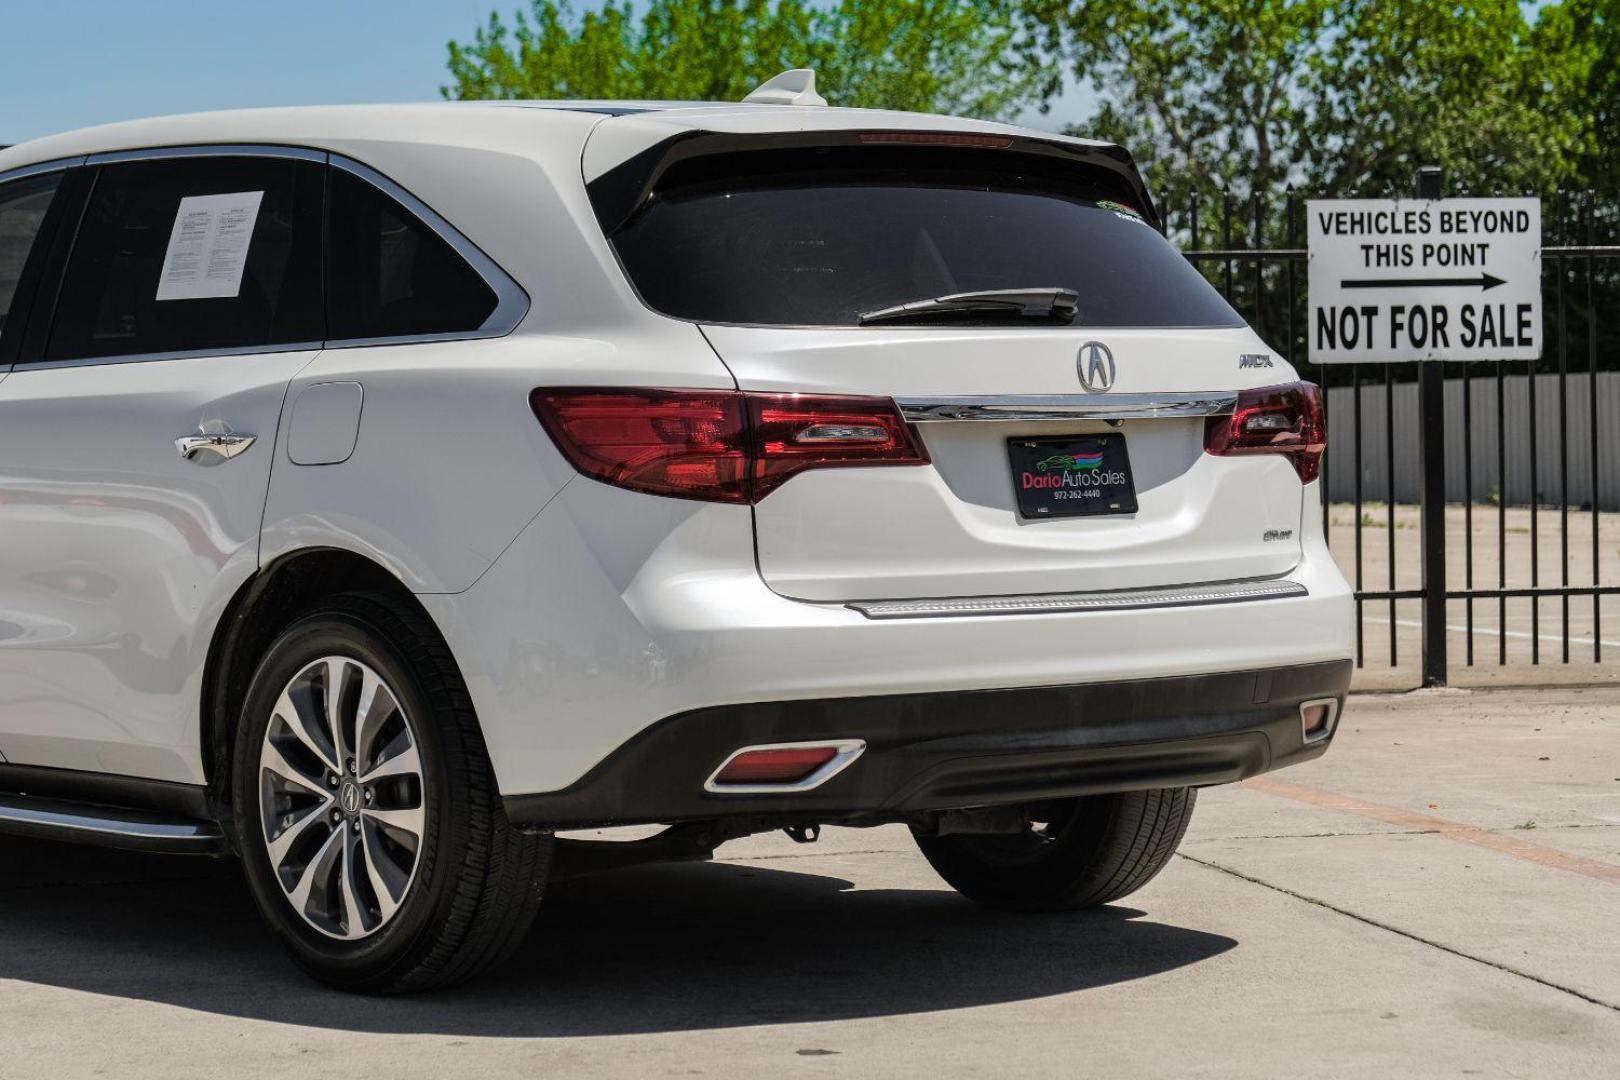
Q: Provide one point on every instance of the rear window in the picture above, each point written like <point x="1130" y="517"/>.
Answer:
<point x="802" y="239"/>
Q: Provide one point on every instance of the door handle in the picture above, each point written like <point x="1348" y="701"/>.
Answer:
<point x="225" y="444"/>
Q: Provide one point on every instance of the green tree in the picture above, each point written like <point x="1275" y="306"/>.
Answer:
<point x="1342" y="97"/>
<point x="1579" y="41"/>
<point x="966" y="57"/>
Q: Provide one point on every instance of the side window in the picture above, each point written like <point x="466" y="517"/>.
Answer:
<point x="194" y="254"/>
<point x="23" y="204"/>
<point x="389" y="274"/>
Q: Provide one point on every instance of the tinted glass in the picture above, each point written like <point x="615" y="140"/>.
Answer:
<point x="22" y="210"/>
<point x="819" y="246"/>
<point x="389" y="275"/>
<point x="158" y="266"/>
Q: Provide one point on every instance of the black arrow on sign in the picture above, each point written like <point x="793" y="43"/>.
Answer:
<point x="1484" y="281"/>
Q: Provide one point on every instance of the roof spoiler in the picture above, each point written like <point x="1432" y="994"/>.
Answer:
<point x="794" y="87"/>
<point x="618" y="193"/>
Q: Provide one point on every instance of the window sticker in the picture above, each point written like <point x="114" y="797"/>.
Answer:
<point x="208" y="247"/>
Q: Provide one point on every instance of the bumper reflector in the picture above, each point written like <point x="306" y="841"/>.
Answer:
<point x="1317" y="718"/>
<point x="783" y="767"/>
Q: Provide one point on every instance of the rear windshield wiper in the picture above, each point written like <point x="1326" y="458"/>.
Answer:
<point x="1054" y="305"/>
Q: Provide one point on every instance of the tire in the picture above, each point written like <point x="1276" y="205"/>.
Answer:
<point x="356" y="904"/>
<point x="1077" y="853"/>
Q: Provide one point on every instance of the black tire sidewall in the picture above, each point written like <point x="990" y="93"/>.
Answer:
<point x="374" y="959"/>
<point x="1092" y="860"/>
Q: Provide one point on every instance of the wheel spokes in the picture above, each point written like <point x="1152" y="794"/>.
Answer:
<point x="297" y="711"/>
<point x="373" y="711"/>
<point x="318" y="871"/>
<point x="293" y="827"/>
<point x="400" y="759"/>
<point x="353" y="921"/>
<point x="388" y="879"/>
<point x="342" y="798"/>
<point x="335" y="686"/>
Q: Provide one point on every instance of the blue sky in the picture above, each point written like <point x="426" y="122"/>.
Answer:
<point x="71" y="63"/>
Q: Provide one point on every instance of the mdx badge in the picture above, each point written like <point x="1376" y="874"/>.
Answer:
<point x="1254" y="360"/>
<point x="1095" y="366"/>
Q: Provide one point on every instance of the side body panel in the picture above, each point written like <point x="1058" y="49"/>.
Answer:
<point x="450" y="462"/>
<point x="120" y="555"/>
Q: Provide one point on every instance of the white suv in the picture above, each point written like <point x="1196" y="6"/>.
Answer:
<point x="384" y="490"/>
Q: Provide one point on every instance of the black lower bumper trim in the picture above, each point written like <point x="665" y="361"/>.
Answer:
<point x="957" y="749"/>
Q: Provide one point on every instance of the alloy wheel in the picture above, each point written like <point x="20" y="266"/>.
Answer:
<point x="342" y="798"/>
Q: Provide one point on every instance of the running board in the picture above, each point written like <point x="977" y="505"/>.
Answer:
<point x="107" y="826"/>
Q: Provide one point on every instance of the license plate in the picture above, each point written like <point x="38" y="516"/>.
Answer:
<point x="1072" y="477"/>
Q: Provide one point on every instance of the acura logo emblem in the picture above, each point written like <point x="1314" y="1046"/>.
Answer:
<point x="1095" y="366"/>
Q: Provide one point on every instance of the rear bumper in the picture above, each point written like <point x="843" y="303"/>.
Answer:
<point x="936" y="751"/>
<point x="614" y="611"/>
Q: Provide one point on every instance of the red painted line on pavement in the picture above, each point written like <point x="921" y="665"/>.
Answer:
<point x="1452" y="830"/>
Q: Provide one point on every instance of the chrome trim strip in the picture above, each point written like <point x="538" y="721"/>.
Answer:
<point x="1224" y="592"/>
<point x="158" y="153"/>
<point x="22" y="172"/>
<point x="57" y="818"/>
<point x="183" y="354"/>
<point x="848" y="751"/>
<point x="1069" y="406"/>
<point x="511" y="302"/>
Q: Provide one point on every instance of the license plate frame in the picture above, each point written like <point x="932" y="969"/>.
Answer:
<point x="1097" y="481"/>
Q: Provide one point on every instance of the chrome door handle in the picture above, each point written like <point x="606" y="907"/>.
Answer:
<point x="227" y="445"/>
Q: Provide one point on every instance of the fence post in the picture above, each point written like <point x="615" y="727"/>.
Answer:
<point x="1432" y="450"/>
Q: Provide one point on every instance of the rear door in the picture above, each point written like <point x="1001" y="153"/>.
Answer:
<point x="1066" y="455"/>
<point x="135" y="449"/>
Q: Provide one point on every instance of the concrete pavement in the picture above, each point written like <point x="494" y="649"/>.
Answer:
<point x="1438" y="897"/>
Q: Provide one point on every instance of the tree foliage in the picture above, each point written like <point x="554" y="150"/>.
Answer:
<point x="965" y="57"/>
<point x="1343" y="97"/>
<point x="1583" y="37"/>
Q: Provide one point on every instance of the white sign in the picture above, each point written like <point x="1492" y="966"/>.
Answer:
<point x="1424" y="279"/>
<point x="208" y="246"/>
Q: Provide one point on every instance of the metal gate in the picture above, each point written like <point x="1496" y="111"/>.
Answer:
<point x="1394" y="429"/>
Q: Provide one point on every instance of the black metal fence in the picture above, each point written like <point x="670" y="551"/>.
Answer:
<point x="1228" y="237"/>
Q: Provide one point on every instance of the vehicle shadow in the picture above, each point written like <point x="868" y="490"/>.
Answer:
<point x="656" y="949"/>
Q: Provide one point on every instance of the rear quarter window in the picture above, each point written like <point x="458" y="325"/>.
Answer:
<point x="390" y="275"/>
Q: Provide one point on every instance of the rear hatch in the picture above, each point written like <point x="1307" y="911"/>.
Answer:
<point x="1066" y="448"/>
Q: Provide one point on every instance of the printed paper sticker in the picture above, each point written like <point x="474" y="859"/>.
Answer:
<point x="208" y="247"/>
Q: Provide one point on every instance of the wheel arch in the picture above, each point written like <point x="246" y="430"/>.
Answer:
<point x="261" y="609"/>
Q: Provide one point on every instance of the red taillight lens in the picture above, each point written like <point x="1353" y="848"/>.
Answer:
<point x="784" y="766"/>
<point x="795" y="432"/>
<point x="719" y="445"/>
<point x="686" y="443"/>
<point x="1274" y="420"/>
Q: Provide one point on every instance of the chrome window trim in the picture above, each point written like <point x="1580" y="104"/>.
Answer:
<point x="179" y="354"/>
<point x="158" y="153"/>
<point x="957" y="607"/>
<point x="511" y="302"/>
<point x="39" y="168"/>
<point x="1068" y="406"/>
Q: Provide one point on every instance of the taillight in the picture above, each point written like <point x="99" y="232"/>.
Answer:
<point x="719" y="445"/>
<point x="1286" y="420"/>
